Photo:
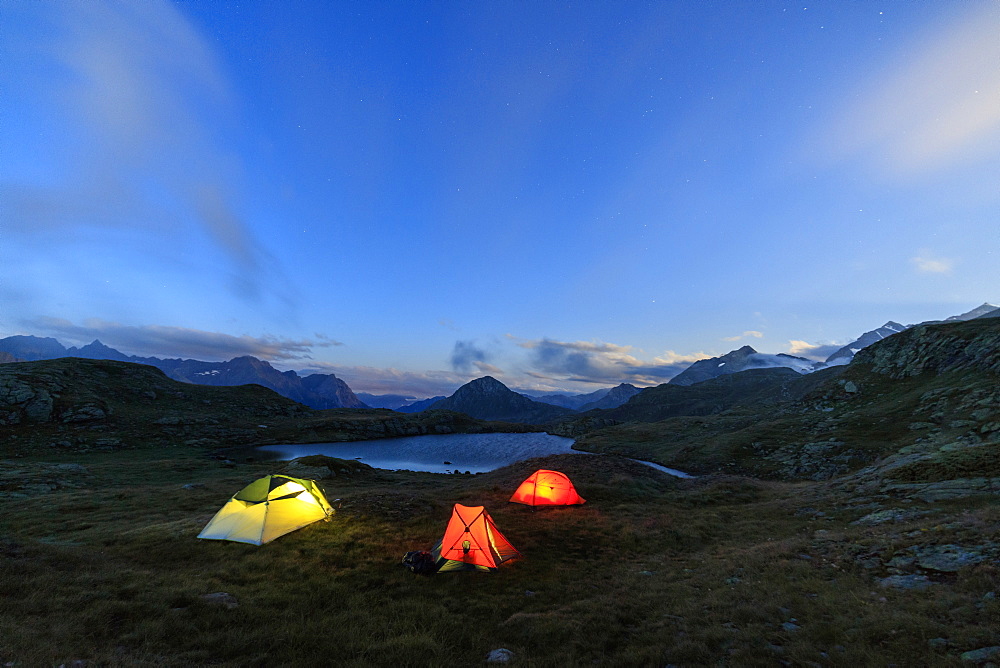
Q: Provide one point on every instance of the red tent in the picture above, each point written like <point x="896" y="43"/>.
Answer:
<point x="472" y="542"/>
<point x="547" y="488"/>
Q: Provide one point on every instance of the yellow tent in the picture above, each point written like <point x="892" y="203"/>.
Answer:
<point x="268" y="508"/>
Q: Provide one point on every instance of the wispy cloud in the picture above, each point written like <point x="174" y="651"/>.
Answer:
<point x="813" y="351"/>
<point x="165" y="341"/>
<point x="140" y="95"/>
<point x="925" y="263"/>
<point x="744" y="335"/>
<point x="936" y="107"/>
<point x="599" y="363"/>
<point x="467" y="358"/>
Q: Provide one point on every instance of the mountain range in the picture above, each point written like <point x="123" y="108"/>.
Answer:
<point x="315" y="390"/>
<point x="747" y="358"/>
<point x="484" y="398"/>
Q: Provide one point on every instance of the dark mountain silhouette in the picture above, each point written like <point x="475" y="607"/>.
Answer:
<point x="390" y="401"/>
<point x="487" y="398"/>
<point x="32" y="348"/>
<point x="418" y="406"/>
<point x="614" y="397"/>
<point x="705" y="398"/>
<point x="316" y="391"/>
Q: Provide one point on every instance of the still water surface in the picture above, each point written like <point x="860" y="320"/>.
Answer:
<point x="438" y="454"/>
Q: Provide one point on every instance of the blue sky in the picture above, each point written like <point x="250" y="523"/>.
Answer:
<point x="562" y="195"/>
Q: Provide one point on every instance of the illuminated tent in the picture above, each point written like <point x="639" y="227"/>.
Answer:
<point x="547" y="488"/>
<point x="472" y="542"/>
<point x="268" y="508"/>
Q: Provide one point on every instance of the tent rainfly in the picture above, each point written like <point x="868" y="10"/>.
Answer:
<point x="267" y="508"/>
<point x="472" y="542"/>
<point x="547" y="488"/>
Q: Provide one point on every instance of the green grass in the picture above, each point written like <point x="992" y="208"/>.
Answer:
<point x="650" y="571"/>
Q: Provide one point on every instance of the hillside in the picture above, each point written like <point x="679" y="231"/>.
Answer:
<point x="71" y="404"/>
<point x="931" y="388"/>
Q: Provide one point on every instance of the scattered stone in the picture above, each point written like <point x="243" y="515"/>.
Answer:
<point x="981" y="655"/>
<point x="193" y="485"/>
<point x="790" y="626"/>
<point x="906" y="582"/>
<point x="221" y="598"/>
<point x="500" y="656"/>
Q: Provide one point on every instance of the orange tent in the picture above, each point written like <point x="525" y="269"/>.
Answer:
<point x="547" y="488"/>
<point x="472" y="542"/>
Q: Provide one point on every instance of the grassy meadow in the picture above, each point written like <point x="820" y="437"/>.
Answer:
<point x="100" y="565"/>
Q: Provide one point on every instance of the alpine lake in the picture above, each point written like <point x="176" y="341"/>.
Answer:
<point x="446" y="453"/>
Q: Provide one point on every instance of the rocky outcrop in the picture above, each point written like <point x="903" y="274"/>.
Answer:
<point x="22" y="402"/>
<point x="969" y="345"/>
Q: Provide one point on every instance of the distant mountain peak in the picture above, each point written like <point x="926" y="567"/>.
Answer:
<point x="486" y="385"/>
<point x="487" y="398"/>
<point x="738" y="360"/>
<point x="977" y="312"/>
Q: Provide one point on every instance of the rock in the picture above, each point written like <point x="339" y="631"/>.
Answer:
<point x="906" y="582"/>
<point x="84" y="413"/>
<point x="947" y="558"/>
<point x="500" y="656"/>
<point x="981" y="655"/>
<point x="790" y="626"/>
<point x="850" y="387"/>
<point x="221" y="598"/>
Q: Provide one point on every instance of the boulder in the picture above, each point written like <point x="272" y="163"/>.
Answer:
<point x="947" y="558"/>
